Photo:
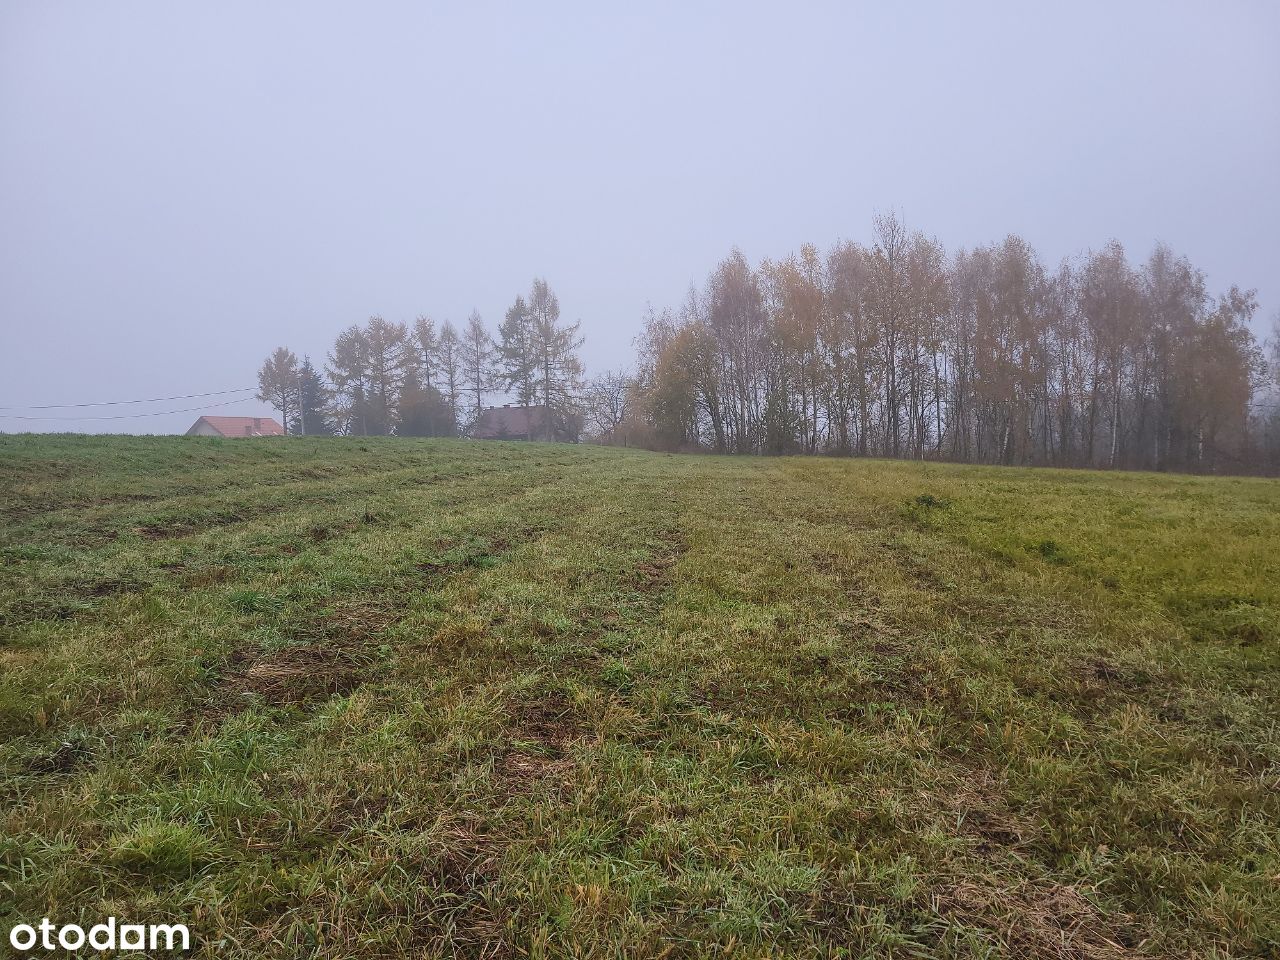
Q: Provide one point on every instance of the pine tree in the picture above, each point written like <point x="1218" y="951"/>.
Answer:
<point x="424" y="412"/>
<point x="313" y="417"/>
<point x="517" y="363"/>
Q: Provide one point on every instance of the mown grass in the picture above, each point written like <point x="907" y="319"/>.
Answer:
<point x="393" y="698"/>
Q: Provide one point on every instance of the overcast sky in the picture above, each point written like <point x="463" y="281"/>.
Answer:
<point x="185" y="186"/>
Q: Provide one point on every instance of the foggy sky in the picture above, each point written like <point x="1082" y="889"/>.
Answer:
<point x="184" y="187"/>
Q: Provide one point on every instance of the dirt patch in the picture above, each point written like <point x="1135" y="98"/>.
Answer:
<point x="551" y="722"/>
<point x="349" y="812"/>
<point x="470" y="858"/>
<point x="1099" y="670"/>
<point x="207" y="576"/>
<point x="474" y="925"/>
<point x="92" y="537"/>
<point x="113" y="585"/>
<point x="68" y="600"/>
<point x="655" y="572"/>
<point x="653" y="576"/>
<point x="1050" y="921"/>
<point x="294" y="676"/>
<point x="541" y="734"/>
<point x="180" y="527"/>
<point x="64" y="757"/>
<point x="476" y="553"/>
<point x="1093" y="686"/>
<point x="434" y="569"/>
<point x="983" y="814"/>
<point x="519" y="770"/>
<point x="155" y="531"/>
<point x="358" y="621"/>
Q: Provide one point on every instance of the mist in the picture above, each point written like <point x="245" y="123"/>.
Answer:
<point x="183" y="189"/>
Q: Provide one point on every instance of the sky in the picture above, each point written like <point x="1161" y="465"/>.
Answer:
<point x="184" y="187"/>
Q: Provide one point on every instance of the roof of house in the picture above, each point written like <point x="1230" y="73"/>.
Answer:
<point x="243" y="426"/>
<point x="508" y="421"/>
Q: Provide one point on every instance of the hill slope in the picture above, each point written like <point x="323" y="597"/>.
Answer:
<point x="392" y="698"/>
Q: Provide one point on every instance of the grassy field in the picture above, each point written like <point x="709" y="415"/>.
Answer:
<point x="395" y="698"/>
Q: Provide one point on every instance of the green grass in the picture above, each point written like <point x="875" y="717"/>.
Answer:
<point x="394" y="698"/>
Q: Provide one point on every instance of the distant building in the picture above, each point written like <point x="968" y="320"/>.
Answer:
<point x="510" y="422"/>
<point x="235" y="427"/>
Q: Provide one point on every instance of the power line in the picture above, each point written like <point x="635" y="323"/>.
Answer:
<point x="129" y="416"/>
<point x="116" y="403"/>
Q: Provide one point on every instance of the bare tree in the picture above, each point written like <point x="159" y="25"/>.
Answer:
<point x="607" y="402"/>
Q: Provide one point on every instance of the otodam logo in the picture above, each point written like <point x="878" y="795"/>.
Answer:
<point x="110" y="935"/>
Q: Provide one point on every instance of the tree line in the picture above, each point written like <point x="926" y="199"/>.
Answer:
<point x="899" y="349"/>
<point x="420" y="380"/>
<point x="893" y="349"/>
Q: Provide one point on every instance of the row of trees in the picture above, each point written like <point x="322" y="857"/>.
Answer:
<point x="899" y="349"/>
<point x="419" y="380"/>
<point x="895" y="349"/>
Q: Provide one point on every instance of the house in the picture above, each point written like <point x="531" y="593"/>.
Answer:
<point x="510" y="422"/>
<point x="235" y="427"/>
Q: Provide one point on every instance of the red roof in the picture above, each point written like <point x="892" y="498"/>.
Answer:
<point x="242" y="426"/>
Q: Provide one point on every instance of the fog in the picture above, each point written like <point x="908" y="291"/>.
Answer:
<point x="184" y="188"/>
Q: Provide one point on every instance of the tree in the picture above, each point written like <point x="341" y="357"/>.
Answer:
<point x="391" y="359"/>
<point x="848" y="337"/>
<point x="680" y="397"/>
<point x="313" y="417"/>
<point x="278" y="383"/>
<point x="1173" y="304"/>
<point x="424" y="412"/>
<point x="559" y="370"/>
<point x="1273" y="345"/>
<point x="427" y="344"/>
<point x="348" y="369"/>
<point x="517" y="362"/>
<point x="888" y="304"/>
<point x="1228" y="368"/>
<point x="732" y="312"/>
<point x="1110" y="302"/>
<point x="449" y="354"/>
<point x="1269" y="408"/>
<point x="476" y="358"/>
<point x="607" y="403"/>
